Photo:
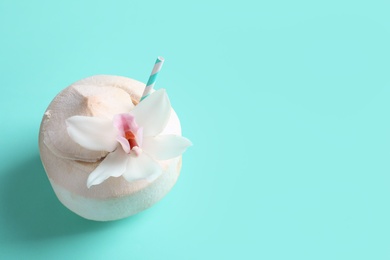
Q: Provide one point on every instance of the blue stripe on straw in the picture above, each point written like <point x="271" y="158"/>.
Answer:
<point x="152" y="79"/>
<point x="144" y="97"/>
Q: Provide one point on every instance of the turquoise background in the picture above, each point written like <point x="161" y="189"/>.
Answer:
<point x="286" y="102"/>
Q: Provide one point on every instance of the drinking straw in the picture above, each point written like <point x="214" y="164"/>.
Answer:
<point x="153" y="77"/>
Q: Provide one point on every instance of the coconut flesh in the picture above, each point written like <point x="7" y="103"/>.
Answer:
<point x="68" y="165"/>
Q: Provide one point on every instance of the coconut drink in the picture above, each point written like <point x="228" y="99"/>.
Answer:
<point x="111" y="146"/>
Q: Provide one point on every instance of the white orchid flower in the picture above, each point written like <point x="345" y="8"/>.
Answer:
<point x="133" y="140"/>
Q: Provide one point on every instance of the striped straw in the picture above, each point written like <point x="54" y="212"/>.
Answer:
<point x="153" y="77"/>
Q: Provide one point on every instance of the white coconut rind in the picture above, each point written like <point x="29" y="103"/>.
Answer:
<point x="115" y="198"/>
<point x="120" y="207"/>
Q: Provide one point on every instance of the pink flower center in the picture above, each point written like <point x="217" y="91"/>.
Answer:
<point x="129" y="133"/>
<point x="131" y="139"/>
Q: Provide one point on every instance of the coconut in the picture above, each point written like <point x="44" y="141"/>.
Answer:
<point x="68" y="165"/>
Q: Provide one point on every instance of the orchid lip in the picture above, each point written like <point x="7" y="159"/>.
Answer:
<point x="130" y="135"/>
<point x="137" y="150"/>
<point x="131" y="138"/>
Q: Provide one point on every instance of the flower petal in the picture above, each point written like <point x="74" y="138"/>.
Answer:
<point x="153" y="113"/>
<point x="124" y="143"/>
<point x="93" y="133"/>
<point x="141" y="167"/>
<point x="164" y="147"/>
<point x="114" y="165"/>
<point x="140" y="136"/>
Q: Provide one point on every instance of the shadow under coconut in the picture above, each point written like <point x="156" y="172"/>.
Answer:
<point x="32" y="210"/>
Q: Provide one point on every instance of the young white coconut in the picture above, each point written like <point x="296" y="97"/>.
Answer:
<point x="69" y="157"/>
